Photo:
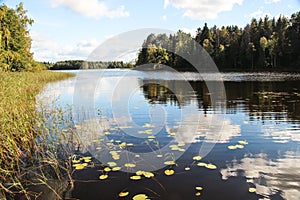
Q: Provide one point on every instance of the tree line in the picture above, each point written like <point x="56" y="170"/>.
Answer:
<point x="81" y="64"/>
<point x="15" y="41"/>
<point x="263" y="44"/>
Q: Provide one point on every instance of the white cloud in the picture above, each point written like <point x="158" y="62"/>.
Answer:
<point x="271" y="1"/>
<point x="191" y="31"/>
<point x="259" y="14"/>
<point x="164" y="17"/>
<point x="45" y="49"/>
<point x="202" y="9"/>
<point x="91" y="8"/>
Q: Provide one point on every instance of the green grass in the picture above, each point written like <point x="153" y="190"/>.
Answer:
<point x="18" y="117"/>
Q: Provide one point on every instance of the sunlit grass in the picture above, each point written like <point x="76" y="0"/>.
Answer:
<point x="18" y="119"/>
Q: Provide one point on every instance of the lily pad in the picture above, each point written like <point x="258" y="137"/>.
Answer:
<point x="140" y="197"/>
<point x="169" y="172"/>
<point x="103" y="177"/>
<point x="123" y="194"/>
<point x="211" y="166"/>
<point x="252" y="190"/>
<point x="135" y="177"/>
<point x="197" y="158"/>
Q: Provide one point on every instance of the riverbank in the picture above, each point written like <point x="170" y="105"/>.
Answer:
<point x="17" y="121"/>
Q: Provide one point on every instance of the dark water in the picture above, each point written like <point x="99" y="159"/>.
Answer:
<point x="186" y="116"/>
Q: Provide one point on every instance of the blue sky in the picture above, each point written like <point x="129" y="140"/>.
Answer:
<point x="71" y="29"/>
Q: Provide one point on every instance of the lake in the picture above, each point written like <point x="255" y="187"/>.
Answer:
<point x="208" y="136"/>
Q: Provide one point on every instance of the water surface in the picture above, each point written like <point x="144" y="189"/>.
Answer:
<point x="152" y="117"/>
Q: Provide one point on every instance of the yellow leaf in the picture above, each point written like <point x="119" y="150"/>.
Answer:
<point x="169" y="172"/>
<point x="148" y="174"/>
<point x="159" y="156"/>
<point x="123" y="194"/>
<point x="116" y="169"/>
<point x="107" y="169"/>
<point x="239" y="146"/>
<point x="199" y="188"/>
<point x="211" y="166"/>
<point x="103" y="177"/>
<point x="243" y="142"/>
<point x="197" y="158"/>
<point x="135" y="177"/>
<point x="151" y="137"/>
<point x="252" y="190"/>
<point x="129" y="165"/>
<point x="202" y="164"/>
<point x="197" y="194"/>
<point x="187" y="169"/>
<point x="112" y="164"/>
<point x="140" y="197"/>
<point x="231" y="147"/>
<point x="139" y="173"/>
<point x="171" y="162"/>
<point x="79" y="166"/>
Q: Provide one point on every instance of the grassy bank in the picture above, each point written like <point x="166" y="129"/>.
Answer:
<point x="17" y="121"/>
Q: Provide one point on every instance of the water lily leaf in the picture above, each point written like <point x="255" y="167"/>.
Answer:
<point x="148" y="125"/>
<point x="199" y="188"/>
<point x="135" y="177"/>
<point x="148" y="174"/>
<point x="151" y="137"/>
<point x="112" y="164"/>
<point x="201" y="164"/>
<point x="79" y="166"/>
<point x="169" y="172"/>
<point x="130" y="165"/>
<point x="197" y="194"/>
<point x="231" y="147"/>
<point x="181" y="144"/>
<point x="243" y="142"/>
<point x="107" y="169"/>
<point x="114" y="169"/>
<point x="171" y="162"/>
<point x="103" y="177"/>
<point x="187" y="169"/>
<point x="197" y="158"/>
<point x="211" y="166"/>
<point x="239" y="146"/>
<point x="252" y="190"/>
<point x="139" y="173"/>
<point x="123" y="194"/>
<point x="140" y="197"/>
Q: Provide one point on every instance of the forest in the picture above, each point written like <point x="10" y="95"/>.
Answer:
<point x="81" y="64"/>
<point x="15" y="41"/>
<point x="262" y="45"/>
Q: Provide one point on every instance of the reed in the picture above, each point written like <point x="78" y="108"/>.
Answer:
<point x="19" y="130"/>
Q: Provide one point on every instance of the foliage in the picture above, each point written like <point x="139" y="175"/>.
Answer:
<point x="15" y="41"/>
<point x="80" y="64"/>
<point x="264" y="44"/>
<point x="18" y="130"/>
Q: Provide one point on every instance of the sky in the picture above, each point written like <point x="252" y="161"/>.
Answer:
<point x="72" y="29"/>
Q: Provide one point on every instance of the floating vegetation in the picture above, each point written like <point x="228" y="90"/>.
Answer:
<point x="123" y="194"/>
<point x="145" y="174"/>
<point x="239" y="146"/>
<point x="197" y="194"/>
<point x="199" y="188"/>
<point x="187" y="169"/>
<point x="252" y="190"/>
<point x="197" y="158"/>
<point x="211" y="166"/>
<point x="103" y="177"/>
<point x="232" y="147"/>
<point x="169" y="172"/>
<point x="107" y="169"/>
<point x="243" y="142"/>
<point x="201" y="164"/>
<point x="171" y="162"/>
<point x="112" y="164"/>
<point x="135" y="177"/>
<point x="80" y="166"/>
<point x="87" y="159"/>
<point x="151" y="137"/>
<point x="129" y="165"/>
<point x="140" y="197"/>
<point x="148" y="125"/>
<point x="114" y="169"/>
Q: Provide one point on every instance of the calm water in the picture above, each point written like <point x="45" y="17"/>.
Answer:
<point x="149" y="118"/>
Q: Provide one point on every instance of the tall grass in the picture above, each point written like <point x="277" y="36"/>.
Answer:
<point x="18" y="127"/>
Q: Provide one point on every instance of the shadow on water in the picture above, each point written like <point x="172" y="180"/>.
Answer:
<point x="257" y="146"/>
